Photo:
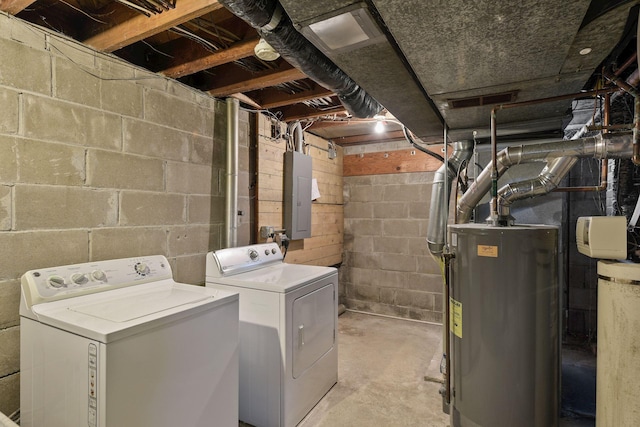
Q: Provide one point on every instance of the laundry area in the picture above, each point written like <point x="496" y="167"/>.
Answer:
<point x="278" y="213"/>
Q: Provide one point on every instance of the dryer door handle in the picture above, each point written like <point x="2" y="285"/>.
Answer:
<point x="300" y="336"/>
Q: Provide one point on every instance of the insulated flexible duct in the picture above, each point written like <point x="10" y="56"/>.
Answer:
<point x="275" y="26"/>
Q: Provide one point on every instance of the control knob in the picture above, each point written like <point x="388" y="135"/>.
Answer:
<point x="99" y="275"/>
<point x="253" y="254"/>
<point x="79" y="278"/>
<point x="142" y="268"/>
<point x="56" y="281"/>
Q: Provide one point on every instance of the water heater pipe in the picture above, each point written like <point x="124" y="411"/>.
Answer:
<point x="599" y="146"/>
<point x="440" y="196"/>
<point x="231" y="199"/>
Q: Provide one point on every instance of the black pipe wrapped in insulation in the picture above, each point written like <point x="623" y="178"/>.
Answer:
<point x="302" y="54"/>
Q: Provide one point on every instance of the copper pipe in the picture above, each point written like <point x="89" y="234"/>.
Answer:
<point x="626" y="65"/>
<point x="635" y="158"/>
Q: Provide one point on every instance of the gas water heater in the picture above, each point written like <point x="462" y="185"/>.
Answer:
<point x="504" y="326"/>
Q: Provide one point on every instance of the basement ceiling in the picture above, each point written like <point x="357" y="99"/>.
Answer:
<point x="434" y="63"/>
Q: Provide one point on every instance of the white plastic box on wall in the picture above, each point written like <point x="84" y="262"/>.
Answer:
<point x="603" y="237"/>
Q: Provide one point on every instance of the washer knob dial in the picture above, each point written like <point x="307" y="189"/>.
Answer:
<point x="273" y="251"/>
<point x="253" y="254"/>
<point x="142" y="268"/>
<point x="79" y="278"/>
<point x="56" y="281"/>
<point x="99" y="275"/>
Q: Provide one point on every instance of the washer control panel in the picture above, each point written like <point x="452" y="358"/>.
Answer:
<point x="54" y="283"/>
<point x="244" y="258"/>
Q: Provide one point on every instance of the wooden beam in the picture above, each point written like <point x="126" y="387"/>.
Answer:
<point x="324" y="124"/>
<point x="13" y="7"/>
<point x="126" y="26"/>
<point x="273" y="98"/>
<point x="369" y="138"/>
<point x="304" y="112"/>
<point x="242" y="81"/>
<point x="190" y="61"/>
<point x="390" y="162"/>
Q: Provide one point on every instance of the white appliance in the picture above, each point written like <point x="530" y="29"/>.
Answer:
<point x="120" y="344"/>
<point x="288" y="339"/>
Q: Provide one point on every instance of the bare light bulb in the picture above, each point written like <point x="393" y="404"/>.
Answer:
<point x="379" y="127"/>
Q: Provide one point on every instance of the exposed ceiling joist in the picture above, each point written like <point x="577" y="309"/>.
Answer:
<point x="369" y="138"/>
<point x="273" y="98"/>
<point x="232" y="81"/>
<point x="304" y="112"/>
<point x="13" y="7"/>
<point x="126" y="26"/>
<point x="190" y="61"/>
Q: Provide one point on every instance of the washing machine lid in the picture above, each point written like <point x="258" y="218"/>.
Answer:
<point x="119" y="313"/>
<point x="280" y="277"/>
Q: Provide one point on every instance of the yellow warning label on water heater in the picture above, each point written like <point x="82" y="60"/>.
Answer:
<point x="488" y="251"/>
<point x="455" y="317"/>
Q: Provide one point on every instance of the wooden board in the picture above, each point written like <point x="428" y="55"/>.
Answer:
<point x="390" y="162"/>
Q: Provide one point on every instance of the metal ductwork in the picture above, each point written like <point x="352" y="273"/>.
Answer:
<point x="440" y="195"/>
<point x="275" y="26"/>
<point x="599" y="146"/>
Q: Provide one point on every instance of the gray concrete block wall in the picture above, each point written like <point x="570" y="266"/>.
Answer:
<point x="100" y="160"/>
<point x="387" y="267"/>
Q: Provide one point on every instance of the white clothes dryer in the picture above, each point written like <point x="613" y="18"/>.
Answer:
<point x="288" y="331"/>
<point x="120" y="344"/>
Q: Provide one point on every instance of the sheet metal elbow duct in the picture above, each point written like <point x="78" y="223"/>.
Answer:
<point x="275" y="26"/>
<point x="440" y="195"/>
<point x="558" y="154"/>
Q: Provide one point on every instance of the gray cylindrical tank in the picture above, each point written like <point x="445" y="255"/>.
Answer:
<point x="505" y="326"/>
<point x="618" y="369"/>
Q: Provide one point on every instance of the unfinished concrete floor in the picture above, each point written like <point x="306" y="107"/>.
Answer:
<point x="384" y="366"/>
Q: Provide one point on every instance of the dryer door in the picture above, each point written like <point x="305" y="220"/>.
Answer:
<point x="314" y="326"/>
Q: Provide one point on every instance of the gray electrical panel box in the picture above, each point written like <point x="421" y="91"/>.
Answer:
<point x="297" y="195"/>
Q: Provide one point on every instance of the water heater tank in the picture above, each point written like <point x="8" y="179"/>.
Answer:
<point x="618" y="364"/>
<point x="504" y="325"/>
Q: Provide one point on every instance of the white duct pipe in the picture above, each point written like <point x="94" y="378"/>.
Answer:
<point x="599" y="146"/>
<point x="231" y="199"/>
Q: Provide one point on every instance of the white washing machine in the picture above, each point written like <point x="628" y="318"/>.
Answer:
<point x="288" y="331"/>
<point x="120" y="344"/>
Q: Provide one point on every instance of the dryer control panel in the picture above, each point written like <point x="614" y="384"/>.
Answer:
<point x="55" y="283"/>
<point x="230" y="261"/>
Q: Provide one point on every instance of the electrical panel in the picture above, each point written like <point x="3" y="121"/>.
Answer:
<point x="297" y="195"/>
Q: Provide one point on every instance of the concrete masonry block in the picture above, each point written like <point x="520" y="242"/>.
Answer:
<point x="354" y="210"/>
<point x="71" y="50"/>
<point x="217" y="209"/>
<point x="188" y="178"/>
<point x="388" y="295"/>
<point x="168" y="110"/>
<point x="10" y="393"/>
<point x="201" y="150"/>
<point x="190" y="269"/>
<point x="401" y="227"/>
<point x="391" y="245"/>
<point x="50" y="163"/>
<point x="198" y="209"/>
<point x="75" y="84"/>
<point x="124" y="242"/>
<point x="23" y="251"/>
<point x="181" y="91"/>
<point x="384" y="210"/>
<point x="187" y="240"/>
<point x="418" y="246"/>
<point x="364" y="227"/>
<point x="362" y="193"/>
<point x="56" y="120"/>
<point x="5" y="208"/>
<point x="144" y="208"/>
<point x="415" y="299"/>
<point x="153" y="140"/>
<point x="149" y="80"/>
<point x="9" y="351"/>
<point x="366" y="293"/>
<point x="419" y="210"/>
<point x="113" y="68"/>
<point x="106" y="169"/>
<point x="57" y="207"/>
<point x="29" y="69"/>
<point x="426" y="264"/>
<point x="8" y="164"/>
<point x="9" y="303"/>
<point x="122" y="97"/>
<point x="405" y="193"/>
<point x="396" y="262"/>
<point x="424" y="282"/>
<point x="9" y="110"/>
